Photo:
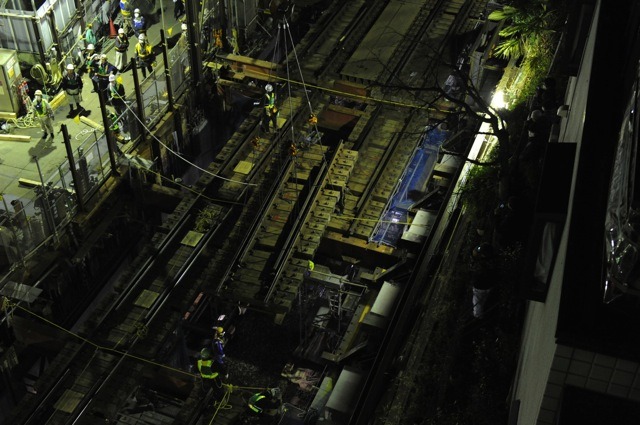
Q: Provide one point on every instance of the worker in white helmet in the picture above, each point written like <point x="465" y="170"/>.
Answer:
<point x="139" y="23"/>
<point x="122" y="45"/>
<point x="270" y="110"/>
<point x="144" y="54"/>
<point x="72" y="86"/>
<point x="43" y="112"/>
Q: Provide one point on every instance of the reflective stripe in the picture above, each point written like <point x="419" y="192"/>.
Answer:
<point x="254" y="399"/>
<point x="204" y="366"/>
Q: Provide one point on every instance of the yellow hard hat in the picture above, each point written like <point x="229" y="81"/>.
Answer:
<point x="220" y="330"/>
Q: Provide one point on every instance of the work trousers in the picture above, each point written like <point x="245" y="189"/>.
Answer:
<point x="74" y="97"/>
<point x="121" y="60"/>
<point x="46" y="123"/>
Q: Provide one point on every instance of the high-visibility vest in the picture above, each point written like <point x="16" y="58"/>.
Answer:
<point x="270" y="100"/>
<point x="207" y="372"/>
<point x="41" y="108"/>
<point x="255" y="399"/>
<point x="143" y="51"/>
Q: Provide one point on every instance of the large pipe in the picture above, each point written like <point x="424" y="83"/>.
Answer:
<point x="195" y="55"/>
<point x="107" y="133"/>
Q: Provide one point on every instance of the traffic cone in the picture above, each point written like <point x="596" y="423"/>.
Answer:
<point x="112" y="29"/>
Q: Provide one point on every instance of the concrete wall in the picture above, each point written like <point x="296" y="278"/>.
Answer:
<point x="537" y="363"/>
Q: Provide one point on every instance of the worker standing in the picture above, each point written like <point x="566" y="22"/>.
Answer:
<point x="72" y="86"/>
<point x="122" y="45"/>
<point x="270" y="110"/>
<point x="102" y="72"/>
<point x="218" y="347"/>
<point x="89" y="36"/>
<point x="139" y="23"/>
<point x="209" y="372"/>
<point x="116" y="96"/>
<point x="144" y="53"/>
<point x="44" y="113"/>
<point x="125" y="15"/>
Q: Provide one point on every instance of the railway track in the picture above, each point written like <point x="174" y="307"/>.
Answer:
<point x="276" y="209"/>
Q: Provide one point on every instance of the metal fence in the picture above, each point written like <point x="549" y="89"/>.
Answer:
<point x="29" y="222"/>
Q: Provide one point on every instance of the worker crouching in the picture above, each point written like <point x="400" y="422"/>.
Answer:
<point x="266" y="406"/>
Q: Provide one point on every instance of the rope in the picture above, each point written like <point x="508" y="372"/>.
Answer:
<point x="8" y="303"/>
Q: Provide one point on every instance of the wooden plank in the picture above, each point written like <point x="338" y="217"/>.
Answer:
<point x="14" y="138"/>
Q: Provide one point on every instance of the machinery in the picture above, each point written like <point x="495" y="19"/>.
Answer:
<point x="10" y="78"/>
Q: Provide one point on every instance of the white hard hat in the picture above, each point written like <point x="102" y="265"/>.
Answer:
<point x="136" y="11"/>
<point x="120" y="30"/>
<point x="90" y="47"/>
<point x="268" y="88"/>
<point x="38" y="93"/>
<point x="103" y="56"/>
<point x="112" y="77"/>
<point x="142" y="37"/>
<point x="184" y="27"/>
<point x="71" y="67"/>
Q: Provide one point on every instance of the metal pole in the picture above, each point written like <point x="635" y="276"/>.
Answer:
<point x="54" y="34"/>
<point x="77" y="184"/>
<point x="195" y="55"/>
<point x="36" y="31"/>
<point x="47" y="206"/>
<point x="107" y="133"/>
<point x="167" y="69"/>
<point x="136" y="86"/>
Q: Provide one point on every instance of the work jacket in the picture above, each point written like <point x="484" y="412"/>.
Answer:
<point x="72" y="84"/>
<point x="206" y="369"/>
<point x="122" y="43"/>
<point x="42" y="108"/>
<point x="143" y="52"/>
<point x="116" y="93"/>
<point x="125" y="9"/>
<point x="138" y="23"/>
<point x="103" y="69"/>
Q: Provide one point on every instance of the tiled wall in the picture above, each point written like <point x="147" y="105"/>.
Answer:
<point x="586" y="369"/>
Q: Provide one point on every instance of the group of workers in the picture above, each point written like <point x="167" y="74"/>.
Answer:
<point x="265" y="405"/>
<point x="103" y="75"/>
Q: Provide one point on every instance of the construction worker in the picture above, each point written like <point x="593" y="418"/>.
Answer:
<point x="116" y="96"/>
<point x="266" y="405"/>
<point x="122" y="45"/>
<point x="87" y="58"/>
<point x="178" y="9"/>
<point x="89" y="36"/>
<point x="125" y="15"/>
<point x="270" y="110"/>
<point x="218" y="346"/>
<point x="209" y="372"/>
<point x="144" y="53"/>
<point x="72" y="86"/>
<point x="102" y="71"/>
<point x="44" y="113"/>
<point x="139" y="23"/>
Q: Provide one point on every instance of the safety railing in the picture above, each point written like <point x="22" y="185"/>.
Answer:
<point x="38" y="218"/>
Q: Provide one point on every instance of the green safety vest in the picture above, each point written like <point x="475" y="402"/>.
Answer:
<point x="204" y="366"/>
<point x="41" y="108"/>
<point x="254" y="399"/>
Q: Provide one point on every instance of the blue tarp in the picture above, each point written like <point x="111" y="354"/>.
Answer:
<point x="412" y="183"/>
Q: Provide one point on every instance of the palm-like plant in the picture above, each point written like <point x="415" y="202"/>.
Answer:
<point x="526" y="28"/>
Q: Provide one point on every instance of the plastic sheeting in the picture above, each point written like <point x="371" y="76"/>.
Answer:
<point x="413" y="180"/>
<point x="622" y="221"/>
